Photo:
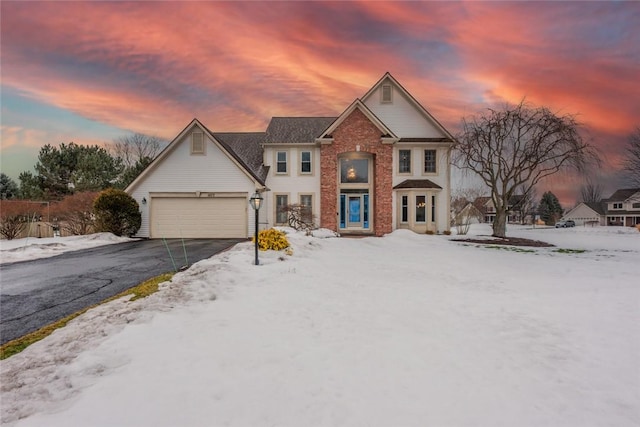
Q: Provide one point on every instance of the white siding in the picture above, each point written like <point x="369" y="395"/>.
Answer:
<point x="441" y="178"/>
<point x="293" y="183"/>
<point x="402" y="116"/>
<point x="181" y="172"/>
<point x="581" y="214"/>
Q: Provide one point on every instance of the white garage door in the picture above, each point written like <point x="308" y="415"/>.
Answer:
<point x="175" y="217"/>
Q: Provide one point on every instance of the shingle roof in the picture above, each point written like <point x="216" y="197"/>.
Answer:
<point x="417" y="183"/>
<point x="598" y="207"/>
<point x="246" y="148"/>
<point x="623" y="194"/>
<point x="289" y="130"/>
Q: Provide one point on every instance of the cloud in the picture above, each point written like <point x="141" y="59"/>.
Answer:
<point x="152" y="66"/>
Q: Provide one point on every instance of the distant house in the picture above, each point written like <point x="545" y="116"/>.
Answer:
<point x="621" y="209"/>
<point x="592" y="213"/>
<point x="515" y="208"/>
<point x="470" y="214"/>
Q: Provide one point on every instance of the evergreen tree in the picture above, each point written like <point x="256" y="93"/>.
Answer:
<point x="549" y="208"/>
<point x="71" y="167"/>
<point x="8" y="187"/>
<point x="30" y="186"/>
<point x="131" y="172"/>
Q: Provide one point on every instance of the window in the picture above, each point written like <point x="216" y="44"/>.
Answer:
<point x="386" y="94"/>
<point x="281" y="162"/>
<point x="306" y="202"/>
<point x="305" y="162"/>
<point x="430" y="161"/>
<point x="354" y="171"/>
<point x="405" y="208"/>
<point x="635" y="205"/>
<point x="197" y="143"/>
<point x="433" y="208"/>
<point x="282" y="201"/>
<point x="421" y="208"/>
<point x="617" y="206"/>
<point x="404" y="165"/>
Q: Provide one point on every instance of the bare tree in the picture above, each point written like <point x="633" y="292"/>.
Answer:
<point x="591" y="191"/>
<point x="15" y="216"/>
<point x="516" y="147"/>
<point x="526" y="204"/>
<point x="300" y="217"/>
<point x="135" y="147"/>
<point x="632" y="158"/>
<point x="463" y="209"/>
<point x="75" y="213"/>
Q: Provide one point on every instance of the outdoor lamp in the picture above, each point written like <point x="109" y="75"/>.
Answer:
<point x="256" y="201"/>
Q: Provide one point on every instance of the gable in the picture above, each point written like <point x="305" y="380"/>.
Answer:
<point x="177" y="157"/>
<point x="582" y="210"/>
<point x="359" y="112"/>
<point x="181" y="171"/>
<point x="403" y="115"/>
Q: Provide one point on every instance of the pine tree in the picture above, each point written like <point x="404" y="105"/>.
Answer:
<point x="549" y="209"/>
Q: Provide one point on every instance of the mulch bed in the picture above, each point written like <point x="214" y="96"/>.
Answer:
<point x="512" y="241"/>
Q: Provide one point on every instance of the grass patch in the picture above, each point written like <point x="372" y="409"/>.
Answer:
<point x="570" y="251"/>
<point x="142" y="290"/>
<point x="510" y="248"/>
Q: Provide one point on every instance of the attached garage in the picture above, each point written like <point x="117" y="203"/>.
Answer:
<point x="209" y="215"/>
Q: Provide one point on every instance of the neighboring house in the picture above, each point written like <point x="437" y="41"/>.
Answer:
<point x="470" y="214"/>
<point x="591" y="213"/>
<point x="381" y="165"/>
<point x="621" y="209"/>
<point x="514" y="209"/>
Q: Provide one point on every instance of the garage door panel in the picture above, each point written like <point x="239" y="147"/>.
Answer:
<point x="175" y="217"/>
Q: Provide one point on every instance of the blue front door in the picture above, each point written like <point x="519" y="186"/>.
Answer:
<point x="355" y="218"/>
<point x="354" y="211"/>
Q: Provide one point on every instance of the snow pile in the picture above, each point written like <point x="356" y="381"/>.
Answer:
<point x="32" y="248"/>
<point x="407" y="330"/>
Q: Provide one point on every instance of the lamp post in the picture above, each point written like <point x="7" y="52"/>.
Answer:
<point x="256" y="201"/>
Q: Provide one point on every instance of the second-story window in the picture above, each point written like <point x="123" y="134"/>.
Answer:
<point x="430" y="161"/>
<point x="404" y="158"/>
<point x="305" y="162"/>
<point x="281" y="162"/>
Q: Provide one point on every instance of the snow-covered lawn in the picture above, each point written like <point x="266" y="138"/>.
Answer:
<point x="32" y="248"/>
<point x="404" y="330"/>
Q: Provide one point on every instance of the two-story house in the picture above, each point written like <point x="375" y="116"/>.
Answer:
<point x="381" y="165"/>
<point x="515" y="209"/>
<point x="621" y="209"/>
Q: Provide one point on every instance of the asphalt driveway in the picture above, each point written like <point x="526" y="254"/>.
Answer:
<point x="38" y="292"/>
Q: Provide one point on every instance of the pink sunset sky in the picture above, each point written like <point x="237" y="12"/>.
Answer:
<point x="89" y="72"/>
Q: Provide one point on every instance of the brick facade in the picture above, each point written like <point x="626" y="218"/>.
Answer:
<point x="357" y="134"/>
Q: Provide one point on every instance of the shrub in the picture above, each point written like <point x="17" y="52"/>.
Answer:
<point x="431" y="232"/>
<point x="117" y="212"/>
<point x="75" y="212"/>
<point x="299" y="217"/>
<point x="15" y="215"/>
<point x="272" y="239"/>
<point x="447" y="233"/>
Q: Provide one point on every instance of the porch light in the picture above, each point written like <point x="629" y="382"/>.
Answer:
<point x="256" y="201"/>
<point x="144" y="200"/>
